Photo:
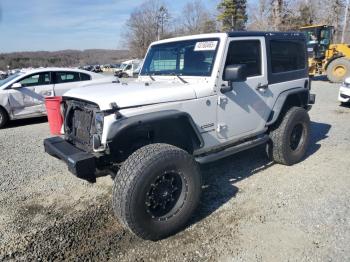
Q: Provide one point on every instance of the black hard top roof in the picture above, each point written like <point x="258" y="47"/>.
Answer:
<point x="268" y="34"/>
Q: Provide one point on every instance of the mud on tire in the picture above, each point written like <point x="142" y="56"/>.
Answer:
<point x="156" y="191"/>
<point x="290" y="139"/>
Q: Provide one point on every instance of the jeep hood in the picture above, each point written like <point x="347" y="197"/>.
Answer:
<point x="133" y="94"/>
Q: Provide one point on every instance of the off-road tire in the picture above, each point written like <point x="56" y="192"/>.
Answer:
<point x="283" y="147"/>
<point x="344" y="66"/>
<point x="138" y="179"/>
<point x="3" y="117"/>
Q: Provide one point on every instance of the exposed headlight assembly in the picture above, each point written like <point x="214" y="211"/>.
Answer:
<point x="63" y="108"/>
<point x="99" y="122"/>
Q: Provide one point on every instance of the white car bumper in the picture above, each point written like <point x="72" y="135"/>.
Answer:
<point x="344" y="94"/>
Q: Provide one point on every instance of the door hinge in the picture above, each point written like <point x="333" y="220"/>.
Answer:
<point x="222" y="100"/>
<point x="221" y="127"/>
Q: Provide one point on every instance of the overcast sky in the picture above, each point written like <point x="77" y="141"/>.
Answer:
<point x="31" y="25"/>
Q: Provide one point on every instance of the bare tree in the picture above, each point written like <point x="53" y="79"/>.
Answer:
<point x="333" y="17"/>
<point x="258" y="19"/>
<point x="271" y="15"/>
<point x="196" y="19"/>
<point x="146" y="24"/>
<point x="292" y="14"/>
<point x="277" y="10"/>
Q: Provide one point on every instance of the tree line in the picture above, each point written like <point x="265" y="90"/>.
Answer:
<point x="61" y="58"/>
<point x="153" y="20"/>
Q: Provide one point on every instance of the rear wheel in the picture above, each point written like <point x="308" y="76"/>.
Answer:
<point x="156" y="191"/>
<point x="338" y="70"/>
<point x="290" y="139"/>
<point x="3" y="117"/>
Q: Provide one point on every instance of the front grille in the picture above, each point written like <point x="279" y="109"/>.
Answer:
<point x="79" y="123"/>
<point x="82" y="126"/>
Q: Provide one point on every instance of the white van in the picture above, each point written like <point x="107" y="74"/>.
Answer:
<point x="129" y="68"/>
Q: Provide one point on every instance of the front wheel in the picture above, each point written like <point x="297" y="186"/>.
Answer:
<point x="290" y="139"/>
<point x="3" y="117"/>
<point x="156" y="191"/>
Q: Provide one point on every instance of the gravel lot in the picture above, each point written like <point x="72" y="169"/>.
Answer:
<point x="251" y="209"/>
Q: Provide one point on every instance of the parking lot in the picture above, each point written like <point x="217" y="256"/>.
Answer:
<point x="251" y="209"/>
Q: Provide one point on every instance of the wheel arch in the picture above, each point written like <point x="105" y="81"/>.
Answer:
<point x="171" y="126"/>
<point x="297" y="97"/>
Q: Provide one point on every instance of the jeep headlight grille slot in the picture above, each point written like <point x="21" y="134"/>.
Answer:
<point x="83" y="123"/>
<point x="99" y="117"/>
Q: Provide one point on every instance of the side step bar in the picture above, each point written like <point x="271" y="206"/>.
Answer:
<point x="232" y="150"/>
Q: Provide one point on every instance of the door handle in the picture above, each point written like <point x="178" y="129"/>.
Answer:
<point x="261" y="87"/>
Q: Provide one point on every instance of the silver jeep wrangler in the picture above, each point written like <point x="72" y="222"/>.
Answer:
<point x="197" y="99"/>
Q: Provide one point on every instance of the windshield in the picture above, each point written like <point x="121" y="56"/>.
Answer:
<point x="8" y="79"/>
<point x="122" y="66"/>
<point x="187" y="58"/>
<point x="318" y="36"/>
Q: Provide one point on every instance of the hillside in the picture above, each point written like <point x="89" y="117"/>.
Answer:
<point x="61" y="58"/>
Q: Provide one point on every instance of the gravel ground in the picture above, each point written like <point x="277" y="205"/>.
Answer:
<point x="251" y="209"/>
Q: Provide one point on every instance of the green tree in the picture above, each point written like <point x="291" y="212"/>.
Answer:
<point x="233" y="14"/>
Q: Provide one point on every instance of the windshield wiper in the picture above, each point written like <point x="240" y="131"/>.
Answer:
<point x="150" y="76"/>
<point x="179" y="77"/>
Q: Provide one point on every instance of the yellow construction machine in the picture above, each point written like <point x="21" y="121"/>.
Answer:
<point x="326" y="57"/>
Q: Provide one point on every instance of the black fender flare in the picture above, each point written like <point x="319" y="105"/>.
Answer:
<point x="119" y="127"/>
<point x="303" y="95"/>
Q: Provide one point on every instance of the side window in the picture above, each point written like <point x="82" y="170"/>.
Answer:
<point x="47" y="78"/>
<point x="84" y="77"/>
<point x="36" y="80"/>
<point x="66" y="77"/>
<point x="246" y="52"/>
<point x="287" y="56"/>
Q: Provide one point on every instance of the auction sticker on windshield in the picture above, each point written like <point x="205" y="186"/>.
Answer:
<point x="205" y="46"/>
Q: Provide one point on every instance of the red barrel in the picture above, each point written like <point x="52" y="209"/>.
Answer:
<point x="53" y="108"/>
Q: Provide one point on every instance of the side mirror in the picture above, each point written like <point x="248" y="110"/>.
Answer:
<point x="235" y="73"/>
<point x="16" y="85"/>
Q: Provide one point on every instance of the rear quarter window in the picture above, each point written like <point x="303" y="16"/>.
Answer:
<point x="287" y="56"/>
<point x="66" y="77"/>
<point x="84" y="77"/>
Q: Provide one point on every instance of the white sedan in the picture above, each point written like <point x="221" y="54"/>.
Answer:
<point x="22" y="95"/>
<point x="344" y="91"/>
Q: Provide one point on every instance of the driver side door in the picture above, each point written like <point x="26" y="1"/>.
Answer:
<point x="29" y="99"/>
<point x="243" y="111"/>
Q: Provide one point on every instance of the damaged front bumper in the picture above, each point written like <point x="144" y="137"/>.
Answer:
<point x="80" y="163"/>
